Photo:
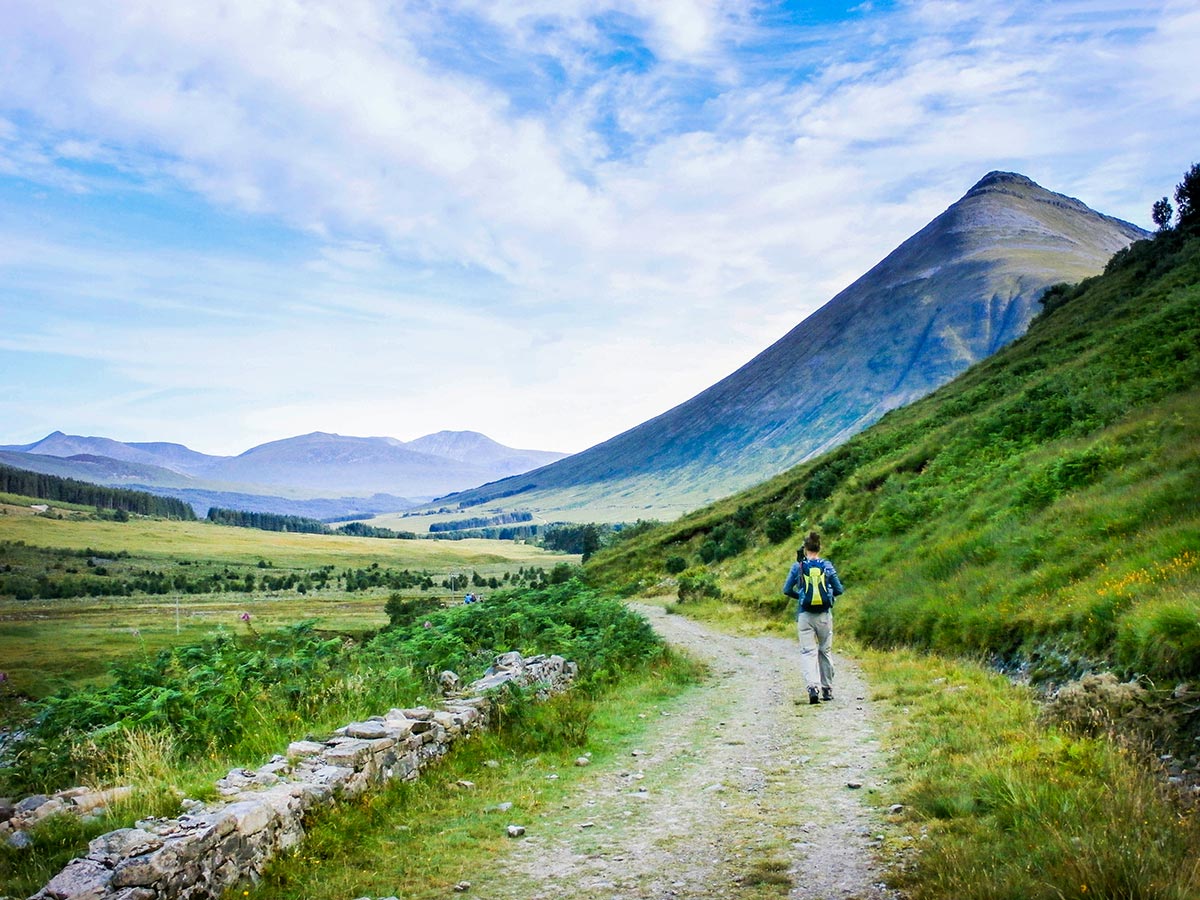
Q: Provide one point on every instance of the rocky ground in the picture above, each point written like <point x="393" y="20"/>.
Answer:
<point x="741" y="790"/>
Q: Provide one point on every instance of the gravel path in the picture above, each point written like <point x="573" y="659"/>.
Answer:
<point x="738" y="791"/>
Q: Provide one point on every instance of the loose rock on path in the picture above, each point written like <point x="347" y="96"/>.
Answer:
<point x="741" y="789"/>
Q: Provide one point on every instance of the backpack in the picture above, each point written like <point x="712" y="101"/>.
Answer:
<point x="816" y="591"/>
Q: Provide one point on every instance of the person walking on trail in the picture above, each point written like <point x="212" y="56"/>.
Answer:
<point x="814" y="582"/>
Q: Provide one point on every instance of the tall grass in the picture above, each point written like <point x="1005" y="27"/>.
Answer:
<point x="1006" y="807"/>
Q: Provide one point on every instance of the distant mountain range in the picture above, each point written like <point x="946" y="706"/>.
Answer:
<point x="329" y="474"/>
<point x="961" y="288"/>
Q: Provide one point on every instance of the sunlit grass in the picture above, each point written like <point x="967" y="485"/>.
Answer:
<point x="1003" y="806"/>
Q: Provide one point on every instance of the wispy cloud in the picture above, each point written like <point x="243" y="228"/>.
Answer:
<point x="494" y="211"/>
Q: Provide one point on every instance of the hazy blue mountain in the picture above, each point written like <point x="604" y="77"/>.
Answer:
<point x="480" y="450"/>
<point x="336" y="463"/>
<point x="95" y="469"/>
<point x="952" y="294"/>
<point x="283" y="473"/>
<point x="325" y="508"/>
<point x="176" y="457"/>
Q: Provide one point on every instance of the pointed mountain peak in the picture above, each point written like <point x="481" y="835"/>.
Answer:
<point x="1007" y="179"/>
<point x="1011" y="190"/>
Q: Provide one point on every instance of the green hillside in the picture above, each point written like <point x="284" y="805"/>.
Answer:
<point x="1021" y="513"/>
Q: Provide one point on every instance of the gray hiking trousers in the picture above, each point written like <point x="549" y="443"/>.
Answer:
<point x="816" y="645"/>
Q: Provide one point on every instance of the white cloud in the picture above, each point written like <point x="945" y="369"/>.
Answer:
<point x="632" y="231"/>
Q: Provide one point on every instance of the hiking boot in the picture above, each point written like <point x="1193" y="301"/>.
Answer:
<point x="812" y="695"/>
<point x="827" y="694"/>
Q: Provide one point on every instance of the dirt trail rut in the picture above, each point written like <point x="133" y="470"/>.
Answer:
<point x="737" y="791"/>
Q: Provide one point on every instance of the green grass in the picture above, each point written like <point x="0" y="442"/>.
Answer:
<point x="20" y="500"/>
<point x="1003" y="806"/>
<point x="154" y="538"/>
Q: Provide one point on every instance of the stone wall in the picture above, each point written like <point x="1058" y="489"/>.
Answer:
<point x="17" y="820"/>
<point x="214" y="846"/>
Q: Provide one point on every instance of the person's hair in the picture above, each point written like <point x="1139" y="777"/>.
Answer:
<point x="812" y="543"/>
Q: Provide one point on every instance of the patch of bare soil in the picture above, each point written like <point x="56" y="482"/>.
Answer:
<point x="742" y="789"/>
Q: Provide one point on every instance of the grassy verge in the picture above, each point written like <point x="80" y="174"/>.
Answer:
<point x="418" y="839"/>
<point x="1000" y="804"/>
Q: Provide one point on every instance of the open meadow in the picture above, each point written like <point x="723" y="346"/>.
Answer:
<point x="129" y="588"/>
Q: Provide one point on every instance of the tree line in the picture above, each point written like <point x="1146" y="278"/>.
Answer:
<point x="265" y="521"/>
<point x="69" y="490"/>
<point x="481" y="522"/>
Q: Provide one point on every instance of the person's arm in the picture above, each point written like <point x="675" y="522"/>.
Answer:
<point x="834" y="581"/>
<point x="793" y="578"/>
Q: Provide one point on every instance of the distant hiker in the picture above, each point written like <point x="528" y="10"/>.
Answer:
<point x="470" y="598"/>
<point x="815" y="583"/>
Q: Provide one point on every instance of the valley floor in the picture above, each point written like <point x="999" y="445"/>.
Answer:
<point x="738" y="791"/>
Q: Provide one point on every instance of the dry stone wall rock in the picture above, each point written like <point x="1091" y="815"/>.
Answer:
<point x="211" y="847"/>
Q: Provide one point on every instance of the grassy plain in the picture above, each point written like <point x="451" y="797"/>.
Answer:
<point x="46" y="644"/>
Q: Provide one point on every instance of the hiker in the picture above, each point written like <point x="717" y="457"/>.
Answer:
<point x="815" y="583"/>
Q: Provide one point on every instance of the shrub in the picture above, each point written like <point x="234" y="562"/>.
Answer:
<point x="726" y="540"/>
<point x="601" y="634"/>
<point x="1069" y="471"/>
<point x="1164" y="639"/>
<point x="238" y="694"/>
<point x="821" y="484"/>
<point x="675" y="564"/>
<point x="564" y="572"/>
<point x="743" y="517"/>
<point x="698" y="584"/>
<point x="401" y="612"/>
<point x="1097" y="705"/>
<point x="204" y="695"/>
<point x="778" y="527"/>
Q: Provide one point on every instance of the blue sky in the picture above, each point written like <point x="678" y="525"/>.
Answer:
<point x="546" y="220"/>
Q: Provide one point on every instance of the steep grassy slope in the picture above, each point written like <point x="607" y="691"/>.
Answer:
<point x="1042" y="508"/>
<point x="952" y="294"/>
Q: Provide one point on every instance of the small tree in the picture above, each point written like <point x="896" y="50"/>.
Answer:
<point x="1161" y="213"/>
<point x="1187" y="199"/>
<point x="698" y="584"/>
<point x="591" y="541"/>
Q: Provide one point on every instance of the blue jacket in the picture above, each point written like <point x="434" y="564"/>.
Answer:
<point x="791" y="585"/>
